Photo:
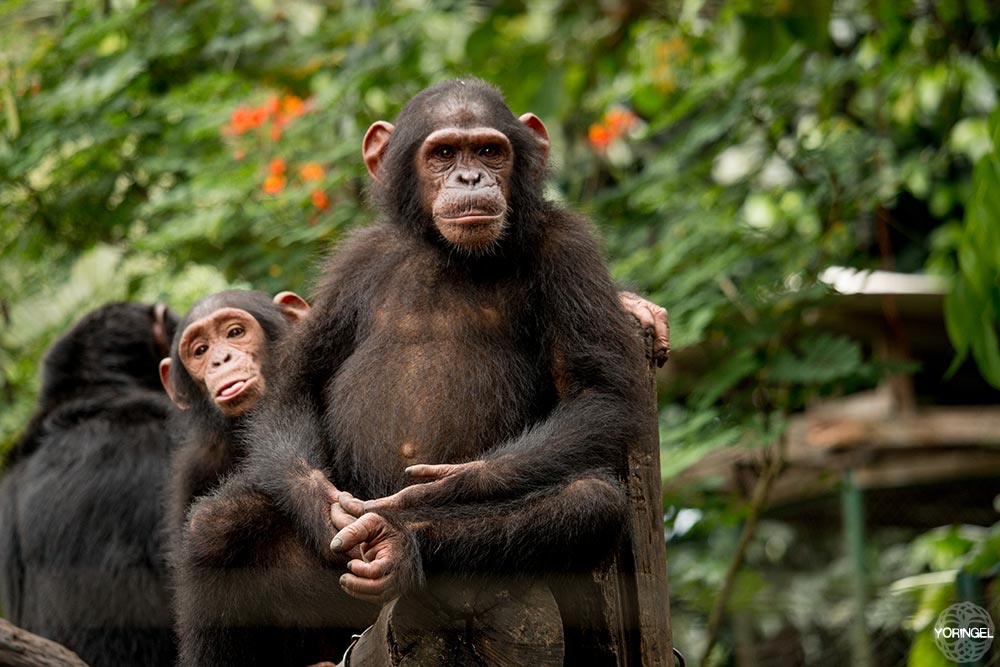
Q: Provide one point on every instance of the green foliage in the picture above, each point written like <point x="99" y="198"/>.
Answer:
<point x="972" y="309"/>
<point x="727" y="151"/>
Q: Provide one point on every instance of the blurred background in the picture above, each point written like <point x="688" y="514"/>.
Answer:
<point x="812" y="189"/>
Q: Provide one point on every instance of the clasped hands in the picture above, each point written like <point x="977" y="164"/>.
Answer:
<point x="383" y="559"/>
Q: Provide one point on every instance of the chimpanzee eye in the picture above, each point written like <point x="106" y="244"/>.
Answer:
<point x="235" y="332"/>
<point x="200" y="350"/>
<point x="444" y="152"/>
<point x="490" y="151"/>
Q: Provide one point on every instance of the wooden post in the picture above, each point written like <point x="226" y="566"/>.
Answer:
<point x="642" y="562"/>
<point x="623" y="618"/>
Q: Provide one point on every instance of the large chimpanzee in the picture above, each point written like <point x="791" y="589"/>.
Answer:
<point x="472" y="339"/>
<point x="216" y="373"/>
<point x="81" y="541"/>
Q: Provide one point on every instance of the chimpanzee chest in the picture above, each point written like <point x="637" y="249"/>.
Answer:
<point x="438" y="376"/>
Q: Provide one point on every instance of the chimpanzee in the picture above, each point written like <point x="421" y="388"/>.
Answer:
<point x="473" y="340"/>
<point x="216" y="373"/>
<point x="81" y="541"/>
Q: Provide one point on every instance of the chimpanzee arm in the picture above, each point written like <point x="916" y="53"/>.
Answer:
<point x="569" y="527"/>
<point x="290" y="451"/>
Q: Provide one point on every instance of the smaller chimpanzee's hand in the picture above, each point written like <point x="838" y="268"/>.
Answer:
<point x="414" y="495"/>
<point x="653" y="319"/>
<point x="390" y="560"/>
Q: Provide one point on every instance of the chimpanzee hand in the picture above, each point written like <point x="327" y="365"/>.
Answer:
<point x="653" y="319"/>
<point x="415" y="495"/>
<point x="390" y="562"/>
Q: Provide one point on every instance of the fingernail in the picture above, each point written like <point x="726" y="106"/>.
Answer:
<point x="336" y="543"/>
<point x="349" y="567"/>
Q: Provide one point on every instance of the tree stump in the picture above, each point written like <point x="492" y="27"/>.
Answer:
<point x="465" y="623"/>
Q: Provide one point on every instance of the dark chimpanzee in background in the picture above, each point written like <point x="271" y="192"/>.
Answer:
<point x="81" y="540"/>
<point x="216" y="373"/>
<point x="472" y="340"/>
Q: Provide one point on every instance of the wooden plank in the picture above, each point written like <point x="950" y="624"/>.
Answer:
<point x="811" y="436"/>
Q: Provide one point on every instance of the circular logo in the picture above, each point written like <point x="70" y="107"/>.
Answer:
<point x="963" y="632"/>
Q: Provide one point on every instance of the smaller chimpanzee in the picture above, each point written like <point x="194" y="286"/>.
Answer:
<point x="216" y="372"/>
<point x="81" y="545"/>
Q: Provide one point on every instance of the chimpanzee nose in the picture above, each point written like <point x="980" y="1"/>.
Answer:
<point x="470" y="177"/>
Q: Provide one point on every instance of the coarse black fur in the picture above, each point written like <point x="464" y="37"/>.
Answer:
<point x="210" y="443"/>
<point x="81" y="538"/>
<point x="420" y="352"/>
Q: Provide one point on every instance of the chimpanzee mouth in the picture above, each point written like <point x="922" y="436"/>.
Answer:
<point x="231" y="390"/>
<point x="474" y="218"/>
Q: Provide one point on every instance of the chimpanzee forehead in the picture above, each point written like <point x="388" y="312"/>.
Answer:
<point x="454" y="111"/>
<point x="213" y="322"/>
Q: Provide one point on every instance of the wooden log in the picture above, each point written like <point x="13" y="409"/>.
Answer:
<point x="500" y="624"/>
<point x="20" y="648"/>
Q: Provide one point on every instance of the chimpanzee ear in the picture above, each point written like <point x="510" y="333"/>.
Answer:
<point x="165" y="379"/>
<point x="536" y="125"/>
<point x="374" y="145"/>
<point x="292" y="306"/>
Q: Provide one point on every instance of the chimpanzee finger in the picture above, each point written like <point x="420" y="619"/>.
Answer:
<point x="429" y="470"/>
<point x="341" y="519"/>
<point x="374" y="590"/>
<point x="351" y="505"/>
<point x="375" y="569"/>
<point x="359" y="531"/>
<point x="661" y="335"/>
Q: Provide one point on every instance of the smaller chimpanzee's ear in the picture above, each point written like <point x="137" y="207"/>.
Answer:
<point x="536" y="125"/>
<point x="374" y="145"/>
<point x="292" y="306"/>
<point x="165" y="379"/>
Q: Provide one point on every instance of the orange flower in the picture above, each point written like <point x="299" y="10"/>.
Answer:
<point x="320" y="200"/>
<point x="276" y="167"/>
<point x="273" y="105"/>
<point x="619" y="120"/>
<point x="239" y="121"/>
<point x="274" y="184"/>
<point x="311" y="171"/>
<point x="599" y="136"/>
<point x="258" y="116"/>
<point x="292" y="105"/>
<point x="275" y="132"/>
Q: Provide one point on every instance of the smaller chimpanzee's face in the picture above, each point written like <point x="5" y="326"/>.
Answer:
<point x="464" y="176"/>
<point x="223" y="352"/>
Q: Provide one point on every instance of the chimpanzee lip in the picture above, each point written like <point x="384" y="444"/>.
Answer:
<point x="472" y="219"/>
<point x="246" y="383"/>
